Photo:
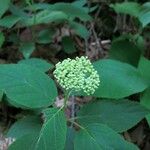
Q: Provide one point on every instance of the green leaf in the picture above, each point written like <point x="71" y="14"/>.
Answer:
<point x="146" y="5"/>
<point x="27" y="49"/>
<point x="4" y="5"/>
<point x="40" y="64"/>
<point x="118" y="79"/>
<point x="24" y="126"/>
<point x="111" y="113"/>
<point x="144" y="68"/>
<point x="79" y="29"/>
<point x="79" y="3"/>
<point x="144" y="14"/>
<point x="45" y="36"/>
<point x="18" y="11"/>
<point x="58" y="13"/>
<point x="125" y="51"/>
<point x="68" y="45"/>
<point x="9" y="21"/>
<point x="126" y="36"/>
<point x="140" y="42"/>
<point x="25" y="143"/>
<point x="100" y="137"/>
<point x="45" y="16"/>
<point x="38" y="6"/>
<point x="144" y="18"/>
<point x="52" y="135"/>
<point x="2" y="39"/>
<point x="26" y="86"/>
<point x="70" y="10"/>
<point x="130" y="8"/>
<point x="66" y="8"/>
<point x="53" y="132"/>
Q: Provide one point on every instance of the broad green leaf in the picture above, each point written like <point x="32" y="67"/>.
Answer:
<point x="26" y="142"/>
<point x="125" y="51"/>
<point x="79" y="3"/>
<point x="27" y="49"/>
<point x="123" y="37"/>
<point x="146" y="5"/>
<point x="45" y="36"/>
<point x="40" y="64"/>
<point x="144" y="68"/>
<point x="136" y="40"/>
<point x="111" y="113"/>
<point x="118" y="79"/>
<point x="53" y="133"/>
<point x="26" y="86"/>
<point x="2" y="39"/>
<point x="24" y="126"/>
<point x="131" y="8"/>
<point x="79" y="29"/>
<point x="140" y="42"/>
<point x="72" y="11"/>
<point x="144" y="18"/>
<point x="68" y="45"/>
<point x="18" y="11"/>
<point x="29" y="2"/>
<point x="9" y="21"/>
<point x="38" y="6"/>
<point x="100" y="137"/>
<point x="4" y="5"/>
<point x="45" y="16"/>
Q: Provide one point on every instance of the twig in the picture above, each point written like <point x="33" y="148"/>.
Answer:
<point x="72" y="108"/>
<point x="124" y="19"/>
<point x="99" y="46"/>
<point x="118" y="20"/>
<point x="127" y="137"/>
<point x="86" y="46"/>
<point x="97" y="13"/>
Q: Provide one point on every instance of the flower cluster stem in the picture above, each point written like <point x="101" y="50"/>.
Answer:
<point x="66" y="99"/>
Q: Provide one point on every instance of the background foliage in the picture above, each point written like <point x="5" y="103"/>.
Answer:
<point x="35" y="35"/>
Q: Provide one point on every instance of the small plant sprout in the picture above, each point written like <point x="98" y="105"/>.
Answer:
<point x="77" y="75"/>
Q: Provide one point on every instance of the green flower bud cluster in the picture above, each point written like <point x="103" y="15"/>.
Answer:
<point x="77" y="75"/>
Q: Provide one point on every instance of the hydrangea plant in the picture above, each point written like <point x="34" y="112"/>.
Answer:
<point x="77" y="75"/>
